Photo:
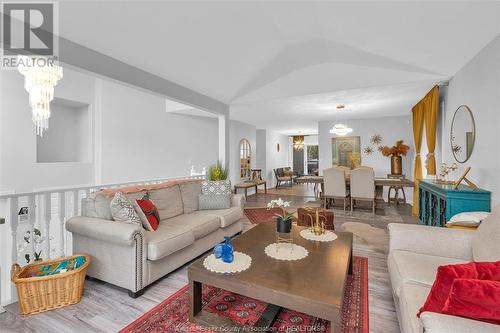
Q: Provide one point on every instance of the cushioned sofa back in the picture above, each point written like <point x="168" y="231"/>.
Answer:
<point x="486" y="242"/>
<point x="97" y="204"/>
<point x="189" y="195"/>
<point x="168" y="201"/>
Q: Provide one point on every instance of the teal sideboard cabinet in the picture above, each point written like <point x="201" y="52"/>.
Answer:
<point x="438" y="202"/>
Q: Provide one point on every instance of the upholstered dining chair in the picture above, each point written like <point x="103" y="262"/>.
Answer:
<point x="334" y="185"/>
<point x="362" y="182"/>
<point x="346" y="169"/>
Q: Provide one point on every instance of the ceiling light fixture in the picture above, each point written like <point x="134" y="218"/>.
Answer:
<point x="298" y="142"/>
<point x="39" y="82"/>
<point x="340" y="129"/>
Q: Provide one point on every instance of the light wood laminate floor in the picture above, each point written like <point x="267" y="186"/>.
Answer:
<point x="105" y="308"/>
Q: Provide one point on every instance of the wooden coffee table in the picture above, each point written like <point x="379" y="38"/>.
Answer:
<point x="313" y="285"/>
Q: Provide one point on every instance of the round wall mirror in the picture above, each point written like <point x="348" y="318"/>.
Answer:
<point x="463" y="134"/>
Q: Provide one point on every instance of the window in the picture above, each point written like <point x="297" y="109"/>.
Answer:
<point x="245" y="159"/>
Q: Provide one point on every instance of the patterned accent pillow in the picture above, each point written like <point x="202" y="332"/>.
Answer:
<point x="123" y="210"/>
<point x="216" y="187"/>
<point x="214" y="201"/>
<point x="148" y="213"/>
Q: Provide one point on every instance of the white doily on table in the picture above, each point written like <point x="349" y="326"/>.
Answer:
<point x="286" y="251"/>
<point x="240" y="263"/>
<point x="328" y="236"/>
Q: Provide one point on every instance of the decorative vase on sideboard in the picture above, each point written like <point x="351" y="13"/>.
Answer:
<point x="396" y="165"/>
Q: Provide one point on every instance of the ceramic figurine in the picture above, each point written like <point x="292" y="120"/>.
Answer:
<point x="224" y="251"/>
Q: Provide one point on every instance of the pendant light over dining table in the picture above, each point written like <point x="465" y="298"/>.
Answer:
<point x="339" y="128"/>
<point x="40" y="78"/>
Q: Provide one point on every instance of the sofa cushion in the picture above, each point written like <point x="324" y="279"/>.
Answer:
<point x="226" y="216"/>
<point x="441" y="323"/>
<point x="97" y="205"/>
<point x="189" y="195"/>
<point x="168" y="201"/>
<point x="416" y="268"/>
<point x="411" y="299"/>
<point x="167" y="239"/>
<point x="200" y="225"/>
<point x="214" y="201"/>
<point x="486" y="242"/>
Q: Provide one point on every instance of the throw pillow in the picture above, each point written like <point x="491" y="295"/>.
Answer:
<point x="475" y="299"/>
<point x="148" y="213"/>
<point x="214" y="201"/>
<point x="468" y="219"/>
<point x="123" y="210"/>
<point x="445" y="276"/>
<point x="216" y="187"/>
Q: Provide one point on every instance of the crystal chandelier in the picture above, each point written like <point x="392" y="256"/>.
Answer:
<point x="338" y="128"/>
<point x="39" y="82"/>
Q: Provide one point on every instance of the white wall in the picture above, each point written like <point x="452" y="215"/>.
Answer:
<point x="140" y="140"/>
<point x="19" y="171"/>
<point x="477" y="85"/>
<point x="390" y="128"/>
<point x="268" y="156"/>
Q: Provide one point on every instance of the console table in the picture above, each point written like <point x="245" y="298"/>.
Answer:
<point x="438" y="201"/>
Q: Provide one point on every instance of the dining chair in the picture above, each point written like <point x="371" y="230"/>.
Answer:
<point x="362" y="186"/>
<point x="346" y="169"/>
<point x="335" y="185"/>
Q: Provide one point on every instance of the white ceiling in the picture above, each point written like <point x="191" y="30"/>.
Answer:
<point x="275" y="60"/>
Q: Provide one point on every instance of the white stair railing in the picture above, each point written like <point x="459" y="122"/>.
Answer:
<point x="48" y="211"/>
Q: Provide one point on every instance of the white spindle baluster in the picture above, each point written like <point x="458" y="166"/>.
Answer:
<point x="14" y="221"/>
<point x="62" y="220"/>
<point x="31" y="223"/>
<point x="75" y="203"/>
<point x="47" y="213"/>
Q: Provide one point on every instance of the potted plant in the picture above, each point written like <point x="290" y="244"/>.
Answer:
<point x="395" y="152"/>
<point x="217" y="172"/>
<point x="284" y="220"/>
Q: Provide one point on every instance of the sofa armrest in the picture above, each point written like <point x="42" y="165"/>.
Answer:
<point x="238" y="200"/>
<point x="441" y="323"/>
<point x="104" y="230"/>
<point x="443" y="242"/>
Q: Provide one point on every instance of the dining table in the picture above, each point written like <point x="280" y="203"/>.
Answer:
<point x="380" y="183"/>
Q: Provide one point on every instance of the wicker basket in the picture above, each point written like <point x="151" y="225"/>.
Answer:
<point x="38" y="294"/>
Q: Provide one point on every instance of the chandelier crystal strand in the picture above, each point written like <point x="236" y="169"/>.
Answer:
<point x="39" y="82"/>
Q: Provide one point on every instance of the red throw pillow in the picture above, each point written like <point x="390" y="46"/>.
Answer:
<point x="475" y="299"/>
<point x="149" y="209"/>
<point x="447" y="274"/>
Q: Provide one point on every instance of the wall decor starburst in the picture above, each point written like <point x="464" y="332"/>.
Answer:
<point x="380" y="148"/>
<point x="368" y="150"/>
<point x="376" y="139"/>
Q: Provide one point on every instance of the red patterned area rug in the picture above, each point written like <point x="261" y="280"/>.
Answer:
<point x="262" y="215"/>
<point x="172" y="315"/>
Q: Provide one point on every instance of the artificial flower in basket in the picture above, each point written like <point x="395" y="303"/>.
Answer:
<point x="283" y="221"/>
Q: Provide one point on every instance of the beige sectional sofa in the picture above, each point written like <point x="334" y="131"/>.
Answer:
<point x="131" y="257"/>
<point x="416" y="251"/>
